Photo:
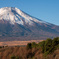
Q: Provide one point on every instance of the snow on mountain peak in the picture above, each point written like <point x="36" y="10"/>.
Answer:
<point x="10" y="14"/>
<point x="15" y="15"/>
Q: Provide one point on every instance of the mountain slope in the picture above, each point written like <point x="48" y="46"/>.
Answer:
<point x="18" y="25"/>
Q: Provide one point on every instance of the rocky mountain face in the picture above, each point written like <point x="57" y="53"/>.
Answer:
<point x="18" y="25"/>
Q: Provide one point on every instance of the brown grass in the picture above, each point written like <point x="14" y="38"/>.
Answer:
<point x="15" y="43"/>
<point x="7" y="52"/>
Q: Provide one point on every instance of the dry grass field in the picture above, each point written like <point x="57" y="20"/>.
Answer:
<point x="15" y="43"/>
<point x="23" y="53"/>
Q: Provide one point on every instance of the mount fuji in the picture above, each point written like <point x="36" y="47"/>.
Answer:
<point x="18" y="25"/>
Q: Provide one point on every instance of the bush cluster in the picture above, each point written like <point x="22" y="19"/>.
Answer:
<point x="50" y="45"/>
<point x="47" y="46"/>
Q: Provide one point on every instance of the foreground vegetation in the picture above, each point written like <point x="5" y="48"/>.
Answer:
<point x="47" y="49"/>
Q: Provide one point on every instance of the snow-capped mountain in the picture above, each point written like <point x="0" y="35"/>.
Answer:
<point x="16" y="23"/>
<point x="15" y="15"/>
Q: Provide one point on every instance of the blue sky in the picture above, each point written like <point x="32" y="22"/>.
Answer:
<point x="47" y="10"/>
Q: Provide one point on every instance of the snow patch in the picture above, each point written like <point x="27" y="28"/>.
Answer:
<point x="15" y="15"/>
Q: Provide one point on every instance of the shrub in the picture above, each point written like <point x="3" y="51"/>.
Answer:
<point x="13" y="57"/>
<point x="55" y="41"/>
<point x="29" y="46"/>
<point x="0" y="46"/>
<point x="34" y="44"/>
<point x="42" y="45"/>
<point x="48" y="44"/>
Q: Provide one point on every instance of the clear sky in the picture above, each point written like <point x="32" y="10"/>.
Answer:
<point x="47" y="10"/>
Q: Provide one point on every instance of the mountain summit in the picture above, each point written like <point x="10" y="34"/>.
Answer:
<point x="16" y="24"/>
<point x="15" y="15"/>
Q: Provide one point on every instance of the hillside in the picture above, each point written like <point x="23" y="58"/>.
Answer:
<point x="42" y="50"/>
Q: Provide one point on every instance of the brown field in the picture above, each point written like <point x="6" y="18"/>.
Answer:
<point x="15" y="43"/>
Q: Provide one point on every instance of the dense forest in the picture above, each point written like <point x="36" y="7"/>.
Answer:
<point x="47" y="49"/>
